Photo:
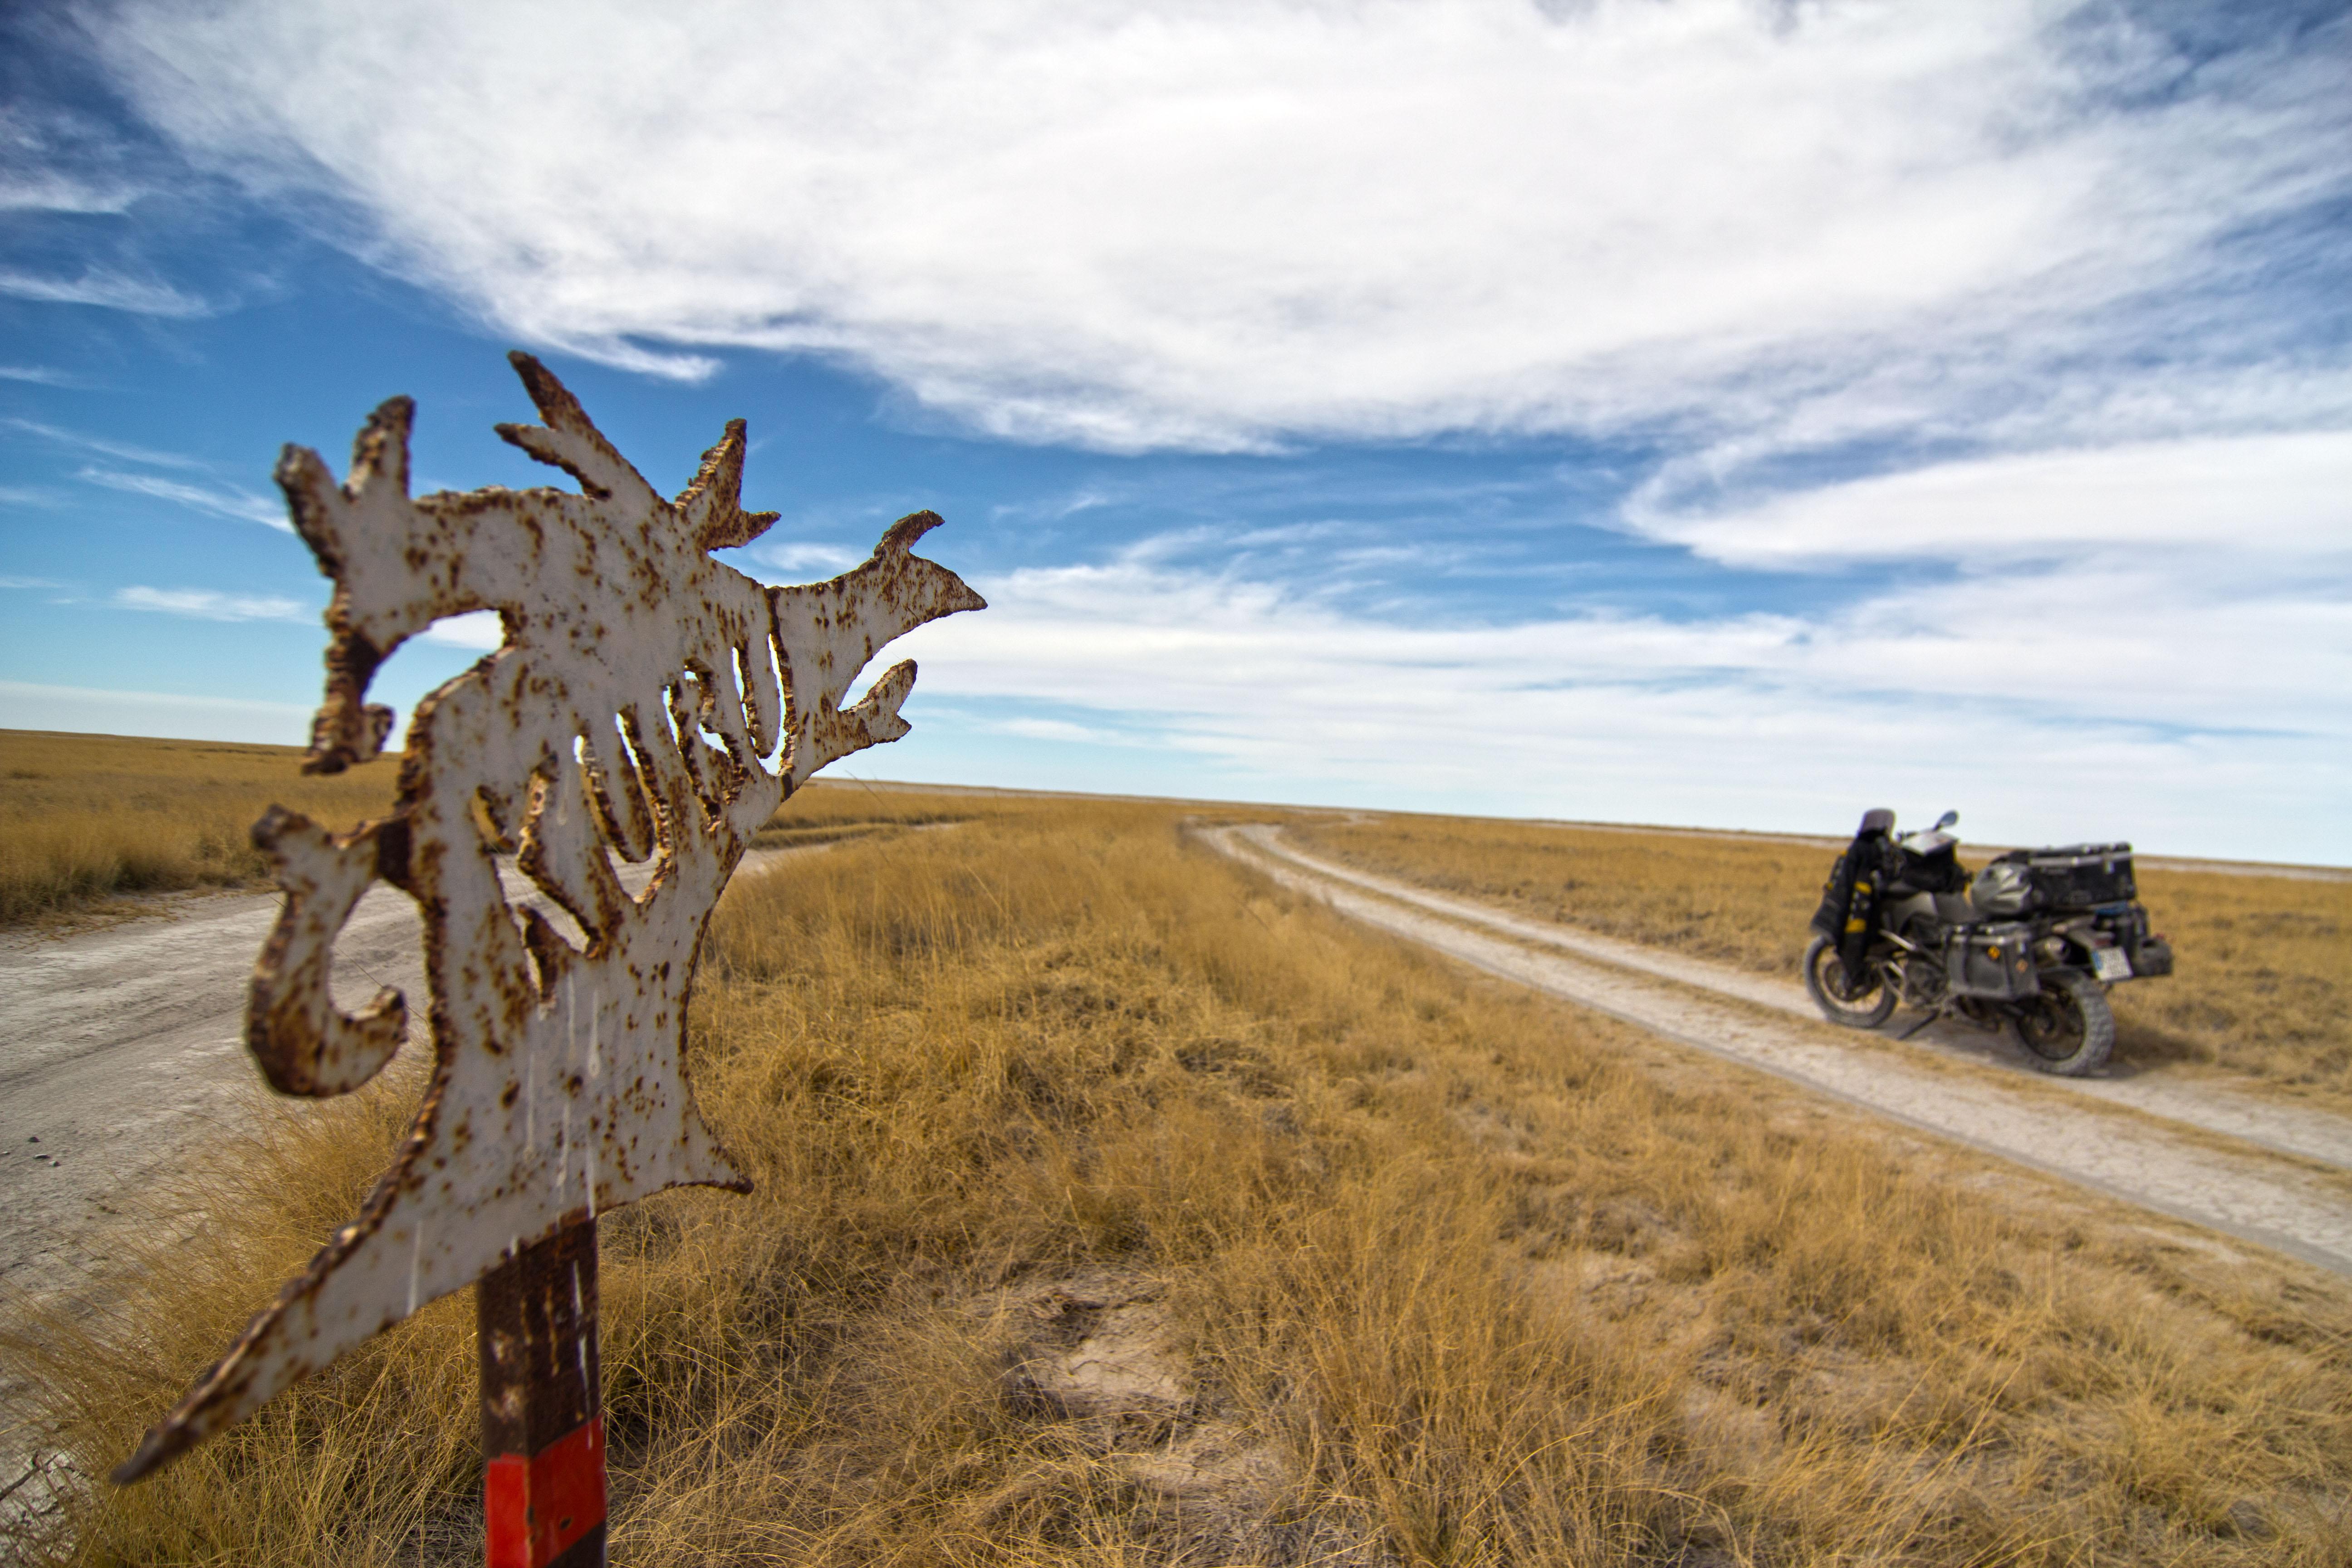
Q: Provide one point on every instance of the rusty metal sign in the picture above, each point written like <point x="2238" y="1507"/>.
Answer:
<point x="632" y="708"/>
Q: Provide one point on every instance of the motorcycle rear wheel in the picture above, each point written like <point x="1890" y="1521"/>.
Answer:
<point x="1826" y="983"/>
<point x="2068" y="1029"/>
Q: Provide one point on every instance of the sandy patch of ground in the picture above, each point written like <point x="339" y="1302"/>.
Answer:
<point x="1102" y="1352"/>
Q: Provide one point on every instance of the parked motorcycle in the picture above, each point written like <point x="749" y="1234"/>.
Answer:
<point x="2031" y="943"/>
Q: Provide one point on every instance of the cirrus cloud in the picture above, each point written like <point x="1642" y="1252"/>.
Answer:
<point x="2280" y="497"/>
<point x="109" y="291"/>
<point x="1222" y="225"/>
<point x="220" y="501"/>
<point x="209" y="605"/>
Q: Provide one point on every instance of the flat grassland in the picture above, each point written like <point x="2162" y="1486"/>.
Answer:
<point x="2263" y="988"/>
<point x="87" y="822"/>
<point x="1114" y="1207"/>
<point x="84" y="819"/>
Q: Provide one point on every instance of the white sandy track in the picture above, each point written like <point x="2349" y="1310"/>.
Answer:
<point x="120" y="1049"/>
<point x="2242" y="1167"/>
<point x="2215" y="1107"/>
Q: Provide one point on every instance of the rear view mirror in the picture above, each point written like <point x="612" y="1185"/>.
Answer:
<point x="1947" y="820"/>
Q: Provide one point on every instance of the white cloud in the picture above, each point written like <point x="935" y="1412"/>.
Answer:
<point x="2273" y="496"/>
<point x="2096" y="685"/>
<point x="2083" y="710"/>
<point x="57" y="159"/>
<point x="122" y="449"/>
<point x="1221" y="224"/>
<point x="206" y="605"/>
<point x="219" y="500"/>
<point x="113" y="290"/>
<point x="1060" y="729"/>
<point x="31" y="583"/>
<point x="39" y="375"/>
<point x="480" y="629"/>
<point x="830" y="558"/>
<point x="44" y="190"/>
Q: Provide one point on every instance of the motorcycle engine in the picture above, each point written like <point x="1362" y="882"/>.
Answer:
<point x="1924" y="981"/>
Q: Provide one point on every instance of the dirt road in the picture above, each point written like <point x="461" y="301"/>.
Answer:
<point x="2200" y="1153"/>
<point x="121" y="1048"/>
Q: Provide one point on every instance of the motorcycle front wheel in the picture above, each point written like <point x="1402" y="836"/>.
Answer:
<point x="1825" y="982"/>
<point x="2068" y="1029"/>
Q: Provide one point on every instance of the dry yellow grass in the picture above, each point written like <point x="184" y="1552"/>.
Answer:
<point x="1409" y="1268"/>
<point x="85" y="818"/>
<point x="2263" y="988"/>
<point x="88" y="819"/>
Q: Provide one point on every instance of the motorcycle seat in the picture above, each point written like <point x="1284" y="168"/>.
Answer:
<point x="1955" y="909"/>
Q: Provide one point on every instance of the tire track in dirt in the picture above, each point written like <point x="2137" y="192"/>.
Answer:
<point x="2297" y="1207"/>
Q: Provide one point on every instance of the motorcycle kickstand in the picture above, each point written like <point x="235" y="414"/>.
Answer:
<point x="1925" y="1019"/>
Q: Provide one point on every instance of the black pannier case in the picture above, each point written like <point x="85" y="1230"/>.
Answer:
<point x="2079" y="876"/>
<point x="2150" y="953"/>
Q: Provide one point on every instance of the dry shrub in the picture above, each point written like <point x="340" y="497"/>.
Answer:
<point x="2263" y="989"/>
<point x="1418" y="1269"/>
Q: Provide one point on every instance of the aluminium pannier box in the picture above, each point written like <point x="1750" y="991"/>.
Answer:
<point x="1995" y="960"/>
<point x="2080" y="875"/>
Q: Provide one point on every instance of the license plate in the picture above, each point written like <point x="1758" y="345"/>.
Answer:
<point x="2110" y="963"/>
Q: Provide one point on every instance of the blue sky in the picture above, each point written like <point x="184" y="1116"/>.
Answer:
<point x="1687" y="411"/>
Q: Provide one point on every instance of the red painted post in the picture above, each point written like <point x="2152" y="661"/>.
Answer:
<point x="543" y="1408"/>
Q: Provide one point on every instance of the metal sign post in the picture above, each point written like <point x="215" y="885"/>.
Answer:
<point x="542" y="1413"/>
<point x="631" y="710"/>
